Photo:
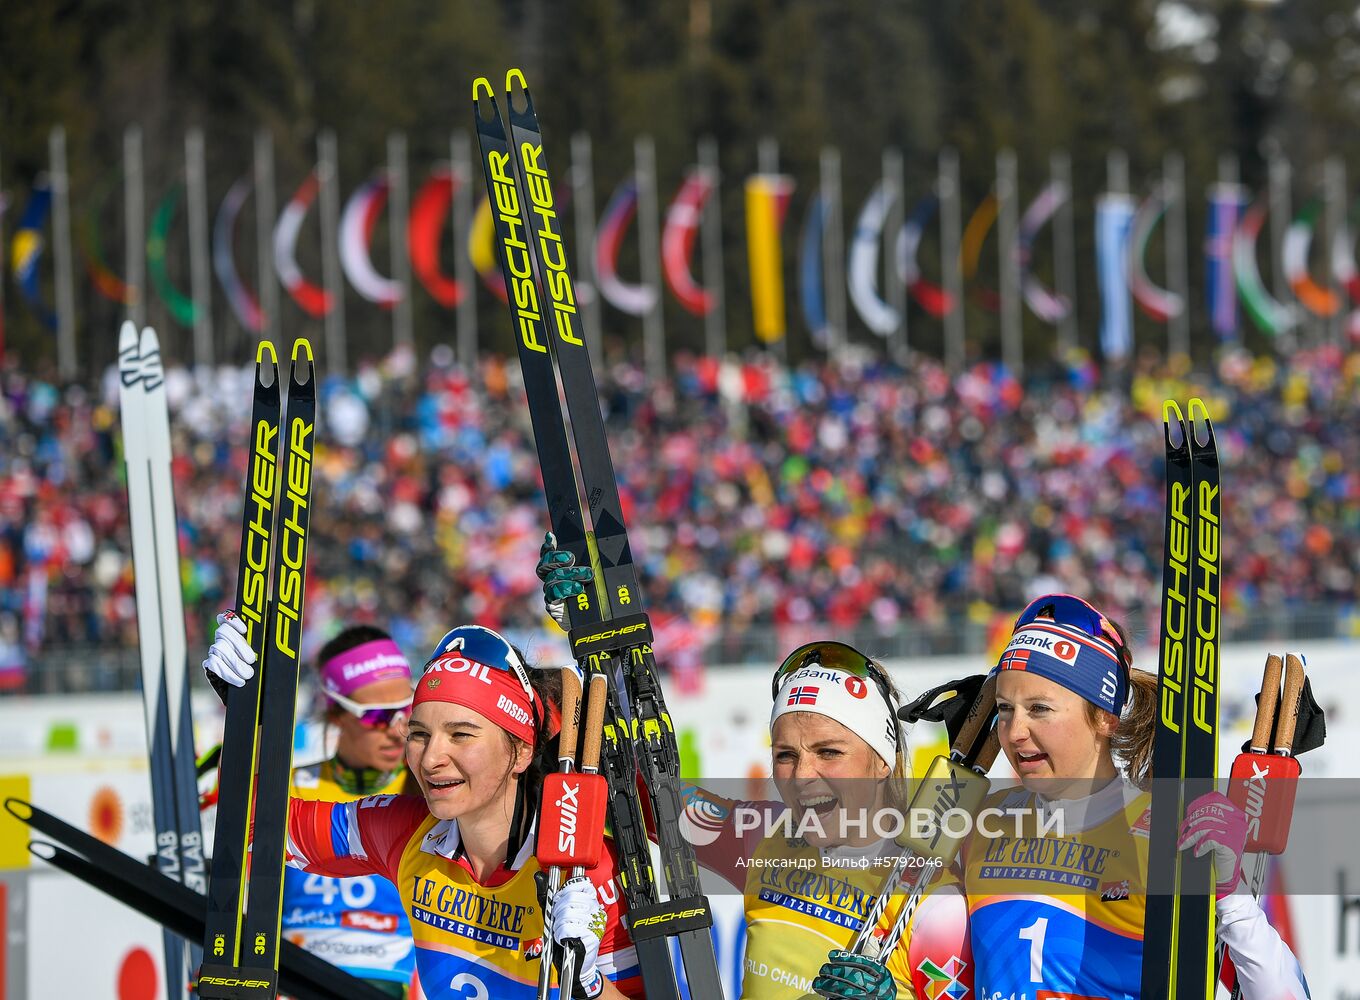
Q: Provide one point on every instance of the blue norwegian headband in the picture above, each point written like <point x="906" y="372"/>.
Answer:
<point x="1086" y="664"/>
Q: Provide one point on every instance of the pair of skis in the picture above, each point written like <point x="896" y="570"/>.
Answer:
<point x="610" y="633"/>
<point x="245" y="893"/>
<point x="160" y="630"/>
<point x="302" y="975"/>
<point x="1178" y="938"/>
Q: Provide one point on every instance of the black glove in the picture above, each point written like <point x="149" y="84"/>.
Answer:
<point x="951" y="710"/>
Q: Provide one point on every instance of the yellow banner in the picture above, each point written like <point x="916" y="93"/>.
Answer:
<point x="767" y="197"/>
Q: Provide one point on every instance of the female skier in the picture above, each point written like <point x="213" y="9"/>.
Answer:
<point x="480" y="738"/>
<point x="1059" y="911"/>
<point x="808" y="866"/>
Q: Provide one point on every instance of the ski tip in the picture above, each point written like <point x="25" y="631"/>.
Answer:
<point x="127" y="337"/>
<point x="1171" y="409"/>
<point x="266" y="347"/>
<point x="151" y="344"/>
<point x="481" y="87"/>
<point x="19" y="809"/>
<point x="302" y="344"/>
<point x="511" y="75"/>
<point x="1198" y="408"/>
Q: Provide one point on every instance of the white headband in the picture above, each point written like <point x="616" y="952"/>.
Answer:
<point x="852" y="701"/>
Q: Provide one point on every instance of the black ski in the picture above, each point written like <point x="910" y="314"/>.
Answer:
<point x="241" y="941"/>
<point x="1178" y="937"/>
<point x="172" y="905"/>
<point x="1194" y="948"/>
<point x="610" y="633"/>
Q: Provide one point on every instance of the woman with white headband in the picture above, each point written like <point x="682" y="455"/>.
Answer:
<point x="808" y="866"/>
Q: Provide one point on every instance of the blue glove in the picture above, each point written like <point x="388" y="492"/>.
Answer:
<point x="562" y="578"/>
<point x="854" y="977"/>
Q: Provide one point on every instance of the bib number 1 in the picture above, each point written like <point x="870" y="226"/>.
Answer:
<point x="1034" y="934"/>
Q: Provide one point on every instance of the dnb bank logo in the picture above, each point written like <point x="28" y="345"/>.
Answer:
<point x="943" y="981"/>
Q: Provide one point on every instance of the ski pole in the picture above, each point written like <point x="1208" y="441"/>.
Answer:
<point x="981" y="766"/>
<point x="949" y="784"/>
<point x="566" y="764"/>
<point x="591" y="819"/>
<point x="1264" y="780"/>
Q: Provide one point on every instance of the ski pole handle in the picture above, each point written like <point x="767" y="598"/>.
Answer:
<point x="979" y="717"/>
<point x="593" y="736"/>
<point x="1267" y="705"/>
<point x="1294" y="676"/>
<point x="571" y="714"/>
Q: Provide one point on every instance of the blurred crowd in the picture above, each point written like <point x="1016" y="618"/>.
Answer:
<point x="856" y="496"/>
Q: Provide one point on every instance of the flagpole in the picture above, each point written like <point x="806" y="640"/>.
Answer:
<point x="1280" y="177"/>
<point x="328" y="174"/>
<point x="460" y="157"/>
<point x="583" y="203"/>
<point x="200" y="285"/>
<point x="398" y="208"/>
<point x="61" y="254"/>
<point x="264" y="233"/>
<point x="1177" y="273"/>
<point x="649" y="249"/>
<point x="711" y="264"/>
<point x="833" y="252"/>
<point x="894" y="287"/>
<point x="1334" y="191"/>
<point x="1064" y="252"/>
<point x="134" y="225"/>
<point x="1012" y="350"/>
<point x="951" y="226"/>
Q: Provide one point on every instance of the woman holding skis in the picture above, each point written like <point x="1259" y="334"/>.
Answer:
<point x="1060" y="908"/>
<point x="356" y="923"/>
<point x="809" y="865"/>
<point x="481" y="736"/>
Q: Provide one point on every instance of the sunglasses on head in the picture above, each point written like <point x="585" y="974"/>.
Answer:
<point x="374" y="716"/>
<point x="481" y="645"/>
<point x="1076" y="613"/>
<point x="836" y="656"/>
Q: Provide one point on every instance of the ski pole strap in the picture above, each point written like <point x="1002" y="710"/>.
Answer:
<point x="669" y="917"/>
<point x="610" y="635"/>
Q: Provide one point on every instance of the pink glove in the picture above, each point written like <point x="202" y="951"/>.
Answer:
<point x="1213" y="823"/>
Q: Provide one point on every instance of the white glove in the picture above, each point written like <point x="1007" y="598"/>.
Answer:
<point x="230" y="656"/>
<point x="578" y="920"/>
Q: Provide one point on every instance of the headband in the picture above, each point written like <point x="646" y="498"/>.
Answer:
<point x="490" y="691"/>
<point x="367" y="663"/>
<point x="844" y="698"/>
<point x="1070" y="657"/>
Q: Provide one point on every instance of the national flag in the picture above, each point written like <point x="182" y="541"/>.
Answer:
<point x="804" y="694"/>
